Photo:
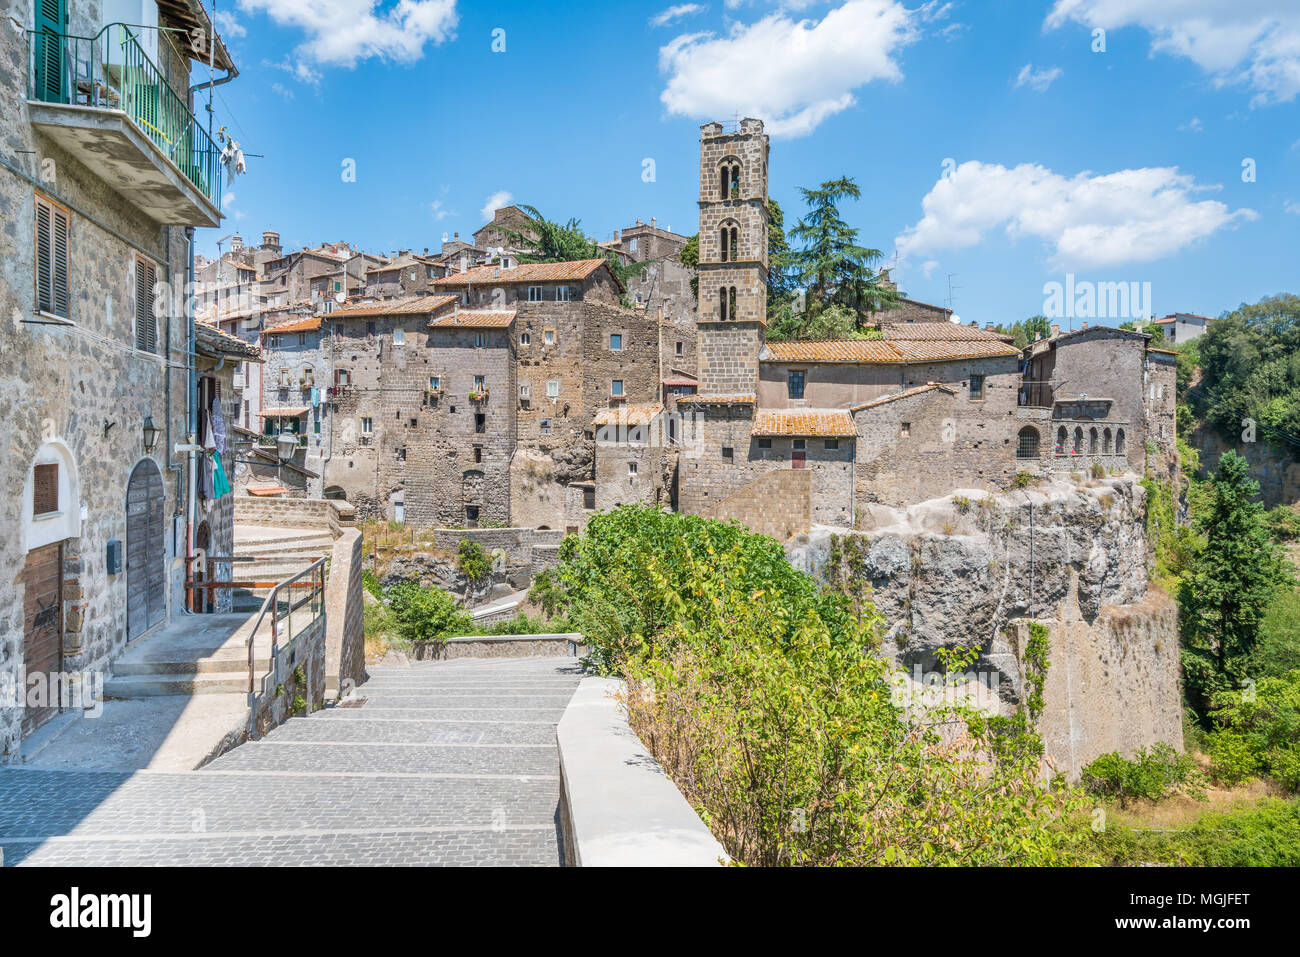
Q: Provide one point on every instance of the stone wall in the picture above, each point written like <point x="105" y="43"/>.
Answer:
<point x="311" y="513"/>
<point x="1275" y="467"/>
<point x="345" y="651"/>
<point x="307" y="649"/>
<point x="780" y="504"/>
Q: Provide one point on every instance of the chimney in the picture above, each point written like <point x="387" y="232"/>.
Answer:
<point x="455" y="236"/>
<point x="1085" y="325"/>
<point x="426" y="250"/>
<point x="653" y="221"/>
<point x="988" y="326"/>
<point x="1056" y="329"/>
<point x="616" y="235"/>
<point x="974" y="324"/>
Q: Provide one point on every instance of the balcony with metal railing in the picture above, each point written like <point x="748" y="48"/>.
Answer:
<point x="103" y="100"/>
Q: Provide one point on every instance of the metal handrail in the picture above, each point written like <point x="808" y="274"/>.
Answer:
<point x="112" y="71"/>
<point x="271" y="603"/>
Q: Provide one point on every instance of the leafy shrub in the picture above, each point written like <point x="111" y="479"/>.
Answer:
<point x="1022" y="480"/>
<point x="426" y="614"/>
<point x="637" y="572"/>
<point x="785" y="738"/>
<point x="371" y="583"/>
<point x="1284" y="522"/>
<point x="1264" y="835"/>
<point x="1257" y="731"/>
<point x="473" y="561"/>
<point x="1153" y="773"/>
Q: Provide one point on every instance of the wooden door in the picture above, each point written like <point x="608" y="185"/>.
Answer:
<point x="42" y="628"/>
<point x="798" y="458"/>
<point x="146" y="585"/>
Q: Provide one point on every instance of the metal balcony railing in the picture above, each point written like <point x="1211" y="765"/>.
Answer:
<point x="110" y="71"/>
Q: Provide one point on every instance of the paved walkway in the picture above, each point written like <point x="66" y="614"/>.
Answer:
<point x="436" y="763"/>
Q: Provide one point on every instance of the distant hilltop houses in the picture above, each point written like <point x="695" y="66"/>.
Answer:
<point x="465" y="386"/>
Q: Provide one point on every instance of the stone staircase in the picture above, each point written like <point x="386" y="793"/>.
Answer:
<point x="281" y="551"/>
<point x="198" y="654"/>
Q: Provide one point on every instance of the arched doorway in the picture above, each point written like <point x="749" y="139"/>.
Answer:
<point x="146" y="584"/>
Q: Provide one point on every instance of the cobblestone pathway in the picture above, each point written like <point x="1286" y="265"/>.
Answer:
<point x="444" y="763"/>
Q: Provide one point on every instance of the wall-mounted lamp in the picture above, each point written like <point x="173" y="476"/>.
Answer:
<point x="150" y="432"/>
<point x="286" y="444"/>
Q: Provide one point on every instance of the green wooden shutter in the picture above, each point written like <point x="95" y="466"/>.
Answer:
<point x="50" y="83"/>
<point x="44" y="258"/>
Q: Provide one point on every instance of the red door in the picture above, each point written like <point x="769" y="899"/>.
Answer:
<point x="798" y="458"/>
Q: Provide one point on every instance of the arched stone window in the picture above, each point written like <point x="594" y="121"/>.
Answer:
<point x="731" y="304"/>
<point x="722" y="303"/>
<point x="1078" y="440"/>
<point x="1027" y="443"/>
<point x="1105" y="442"/>
<point x="1092" y="442"/>
<point x="1119" y="441"/>
<point x="1061" y="438"/>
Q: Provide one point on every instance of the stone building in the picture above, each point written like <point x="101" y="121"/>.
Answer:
<point x="505" y="220"/>
<point x="108" y="381"/>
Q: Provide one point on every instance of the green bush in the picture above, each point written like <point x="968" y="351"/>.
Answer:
<point x="1284" y="522"/>
<point x="371" y="583"/>
<point x="473" y="560"/>
<point x="1257" y="731"/>
<point x="426" y="614"/>
<point x="637" y="572"/>
<point x="1153" y="773"/>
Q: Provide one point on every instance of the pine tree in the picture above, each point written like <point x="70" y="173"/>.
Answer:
<point x="831" y="265"/>
<point x="1229" y="585"/>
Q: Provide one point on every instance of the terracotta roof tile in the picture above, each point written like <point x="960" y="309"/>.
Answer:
<point x="216" y="341"/>
<point x="409" y="306"/>
<point x="288" y="412"/>
<point x="469" y="319"/>
<point x="629" y="415"/>
<point x="297" y="325"/>
<point x="828" y="423"/>
<point x="524" y="272"/>
<point x="719" y="398"/>
<point x="832" y="350"/>
<point x="890" y="350"/>
<point x="942" y="331"/>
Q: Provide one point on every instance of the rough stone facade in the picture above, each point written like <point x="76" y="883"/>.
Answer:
<point x="77" y="389"/>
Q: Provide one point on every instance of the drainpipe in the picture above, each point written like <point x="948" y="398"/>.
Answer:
<point x="191" y="413"/>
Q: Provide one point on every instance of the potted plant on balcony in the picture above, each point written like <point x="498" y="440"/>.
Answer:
<point x="478" y="395"/>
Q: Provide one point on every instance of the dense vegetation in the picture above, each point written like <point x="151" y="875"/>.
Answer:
<point x="1250" y="365"/>
<point x="762" y="696"/>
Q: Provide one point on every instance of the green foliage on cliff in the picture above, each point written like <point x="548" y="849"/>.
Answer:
<point x="1257" y="732"/>
<point x="1152" y="773"/>
<point x="1250" y="360"/>
<point x="473" y="560"/>
<point x="1229" y="585"/>
<point x="425" y="614"/>
<point x="1263" y="835"/>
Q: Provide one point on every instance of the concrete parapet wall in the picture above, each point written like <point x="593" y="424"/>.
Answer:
<point x="312" y="513"/>
<point x="562" y="645"/>
<point x="345" y="652"/>
<point x="617" y="807"/>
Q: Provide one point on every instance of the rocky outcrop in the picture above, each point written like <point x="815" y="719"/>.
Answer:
<point x="971" y="570"/>
<point x="433" y="570"/>
<point x="954" y="571"/>
<point x="1274" y="467"/>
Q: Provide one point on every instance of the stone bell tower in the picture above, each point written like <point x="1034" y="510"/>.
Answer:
<point x="732" y="313"/>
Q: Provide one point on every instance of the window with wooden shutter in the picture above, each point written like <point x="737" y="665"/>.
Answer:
<point x="45" y="489"/>
<point x="52" y="288"/>
<point x="146" y="323"/>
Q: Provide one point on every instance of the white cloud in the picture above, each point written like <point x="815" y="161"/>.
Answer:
<point x="438" y="211"/>
<point x="1291" y="206"/>
<point x="494" y="202"/>
<point x="341" y="32"/>
<point x="792" y="74"/>
<point x="1038" y="80"/>
<point x="665" y="17"/>
<point x="228" y="26"/>
<point x="281" y="90"/>
<point x="1256" y="42"/>
<point x="297" y="69"/>
<point x="1194" y="125"/>
<point x="1132" y="216"/>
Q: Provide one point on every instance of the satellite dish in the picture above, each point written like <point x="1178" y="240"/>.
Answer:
<point x="340" y="298"/>
<point x="955" y="319"/>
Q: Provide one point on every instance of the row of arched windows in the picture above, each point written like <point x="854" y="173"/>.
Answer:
<point x="1066" y="444"/>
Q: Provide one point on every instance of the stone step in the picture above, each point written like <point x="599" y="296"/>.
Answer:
<point x="225" y="665"/>
<point x="146" y="686"/>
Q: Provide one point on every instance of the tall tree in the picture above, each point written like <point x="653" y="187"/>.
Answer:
<point x="781" y="279"/>
<point x="829" y="263"/>
<point x="1229" y="585"/>
<point x="563" y="242"/>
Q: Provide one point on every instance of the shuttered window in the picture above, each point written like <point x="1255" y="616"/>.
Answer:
<point x="51" y="259"/>
<point x="146" y="323"/>
<point x="45" y="489"/>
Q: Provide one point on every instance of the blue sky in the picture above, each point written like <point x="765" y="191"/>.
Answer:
<point x="992" y="143"/>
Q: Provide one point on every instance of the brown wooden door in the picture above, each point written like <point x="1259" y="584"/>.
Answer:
<point x="146" y="586"/>
<point x="42" y="628"/>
